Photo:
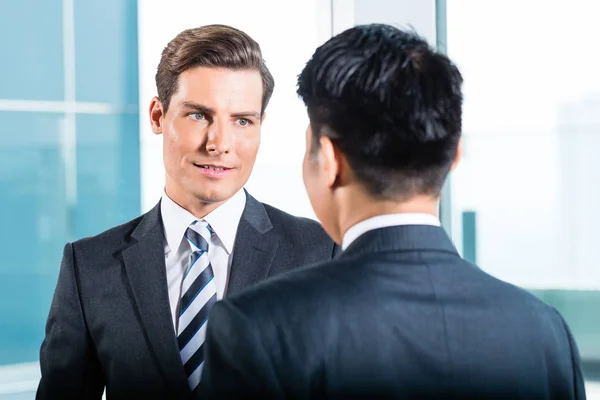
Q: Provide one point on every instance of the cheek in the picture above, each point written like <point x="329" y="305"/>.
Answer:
<point x="181" y="132"/>
<point x="311" y="182"/>
<point x="247" y="148"/>
<point x="172" y="146"/>
<point x="172" y="137"/>
<point x="184" y="137"/>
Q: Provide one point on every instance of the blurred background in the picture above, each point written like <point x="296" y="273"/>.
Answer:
<point x="77" y="155"/>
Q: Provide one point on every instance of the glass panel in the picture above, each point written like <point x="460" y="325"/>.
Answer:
<point x="18" y="396"/>
<point x="106" y="51"/>
<point x="108" y="172"/>
<point x="37" y="219"/>
<point x="31" y="39"/>
<point x="34" y="228"/>
<point x="525" y="197"/>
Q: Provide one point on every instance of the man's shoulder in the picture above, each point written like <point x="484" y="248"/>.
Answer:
<point x="498" y="289"/>
<point x="504" y="301"/>
<point x="112" y="238"/>
<point x="294" y="227"/>
<point x="281" y="218"/>
<point x="307" y="287"/>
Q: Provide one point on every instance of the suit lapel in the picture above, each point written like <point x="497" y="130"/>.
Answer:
<point x="254" y="249"/>
<point x="145" y="266"/>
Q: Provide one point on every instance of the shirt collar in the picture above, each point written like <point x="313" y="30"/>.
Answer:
<point x="224" y="220"/>
<point x="387" y="220"/>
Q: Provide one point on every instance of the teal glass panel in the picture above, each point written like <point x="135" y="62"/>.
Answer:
<point x="34" y="229"/>
<point x="108" y="172"/>
<point x="106" y="50"/>
<point x="31" y="43"/>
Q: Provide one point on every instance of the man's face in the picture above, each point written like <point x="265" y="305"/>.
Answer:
<point x="211" y="133"/>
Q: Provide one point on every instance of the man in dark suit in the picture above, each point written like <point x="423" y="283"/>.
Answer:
<point x="399" y="314"/>
<point x="130" y="308"/>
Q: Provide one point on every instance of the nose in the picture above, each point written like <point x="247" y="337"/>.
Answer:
<point x="218" y="139"/>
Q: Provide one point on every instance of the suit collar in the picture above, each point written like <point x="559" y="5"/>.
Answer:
<point x="387" y="220"/>
<point x="256" y="215"/>
<point x="401" y="238"/>
<point x="146" y="272"/>
<point x="255" y="247"/>
<point x="148" y="223"/>
<point x="224" y="220"/>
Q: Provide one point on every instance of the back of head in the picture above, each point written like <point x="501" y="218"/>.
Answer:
<point x="213" y="46"/>
<point x="391" y="103"/>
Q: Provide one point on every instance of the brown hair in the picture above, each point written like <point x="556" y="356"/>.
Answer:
<point x="215" y="46"/>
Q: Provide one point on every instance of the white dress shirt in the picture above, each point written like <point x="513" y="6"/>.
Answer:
<point x="224" y="221"/>
<point x="387" y="220"/>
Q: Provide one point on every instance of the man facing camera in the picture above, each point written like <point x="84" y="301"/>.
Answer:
<point x="399" y="314"/>
<point x="130" y="309"/>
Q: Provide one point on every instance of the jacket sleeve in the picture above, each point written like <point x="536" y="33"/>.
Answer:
<point x="237" y="363"/>
<point x="69" y="365"/>
<point x="578" y="381"/>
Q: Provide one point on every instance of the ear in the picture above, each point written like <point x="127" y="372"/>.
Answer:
<point x="156" y="115"/>
<point x="458" y="154"/>
<point x="330" y="157"/>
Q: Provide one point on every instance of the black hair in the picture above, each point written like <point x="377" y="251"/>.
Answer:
<point x="391" y="103"/>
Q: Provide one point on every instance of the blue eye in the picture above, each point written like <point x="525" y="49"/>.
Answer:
<point x="197" y="116"/>
<point x="244" y="122"/>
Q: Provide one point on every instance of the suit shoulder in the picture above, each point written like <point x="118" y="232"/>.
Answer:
<point x="504" y="293"/>
<point x="294" y="227"/>
<point x="116" y="236"/>
<point x="281" y="217"/>
<point x="305" y="285"/>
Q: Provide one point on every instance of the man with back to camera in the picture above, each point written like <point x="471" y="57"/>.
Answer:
<point x="399" y="314"/>
<point x="130" y="309"/>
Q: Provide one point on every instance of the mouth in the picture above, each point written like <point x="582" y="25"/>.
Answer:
<point x="213" y="171"/>
<point x="212" y="167"/>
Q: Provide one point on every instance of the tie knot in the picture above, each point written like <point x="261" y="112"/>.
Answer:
<point x="198" y="235"/>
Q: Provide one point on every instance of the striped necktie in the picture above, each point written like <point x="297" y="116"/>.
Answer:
<point x="199" y="293"/>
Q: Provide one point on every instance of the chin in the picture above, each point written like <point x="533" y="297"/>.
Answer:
<point x="211" y="197"/>
<point x="207" y="191"/>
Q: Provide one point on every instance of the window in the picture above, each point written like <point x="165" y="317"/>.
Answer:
<point x="69" y="148"/>
<point x="524" y="199"/>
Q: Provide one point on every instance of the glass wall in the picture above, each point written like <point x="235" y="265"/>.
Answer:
<point x="69" y="148"/>
<point x="524" y="200"/>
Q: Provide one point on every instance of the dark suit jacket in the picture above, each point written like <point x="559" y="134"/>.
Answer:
<point x="110" y="322"/>
<point x="397" y="315"/>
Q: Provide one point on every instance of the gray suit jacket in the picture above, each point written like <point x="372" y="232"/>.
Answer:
<point x="110" y="321"/>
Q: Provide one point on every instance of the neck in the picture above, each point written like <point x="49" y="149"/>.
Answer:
<point x="357" y="207"/>
<point x="193" y="205"/>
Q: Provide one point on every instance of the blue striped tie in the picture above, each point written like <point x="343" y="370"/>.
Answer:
<point x="199" y="293"/>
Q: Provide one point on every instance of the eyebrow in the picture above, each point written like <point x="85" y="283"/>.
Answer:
<point x="197" y="107"/>
<point x="246" y="114"/>
<point x="207" y="110"/>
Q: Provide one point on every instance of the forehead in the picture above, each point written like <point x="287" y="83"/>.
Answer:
<point x="221" y="88"/>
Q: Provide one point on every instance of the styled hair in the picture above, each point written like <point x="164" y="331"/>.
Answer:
<point x="214" y="46"/>
<point x="390" y="103"/>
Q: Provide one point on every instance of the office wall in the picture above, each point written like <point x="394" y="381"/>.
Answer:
<point x="419" y="15"/>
